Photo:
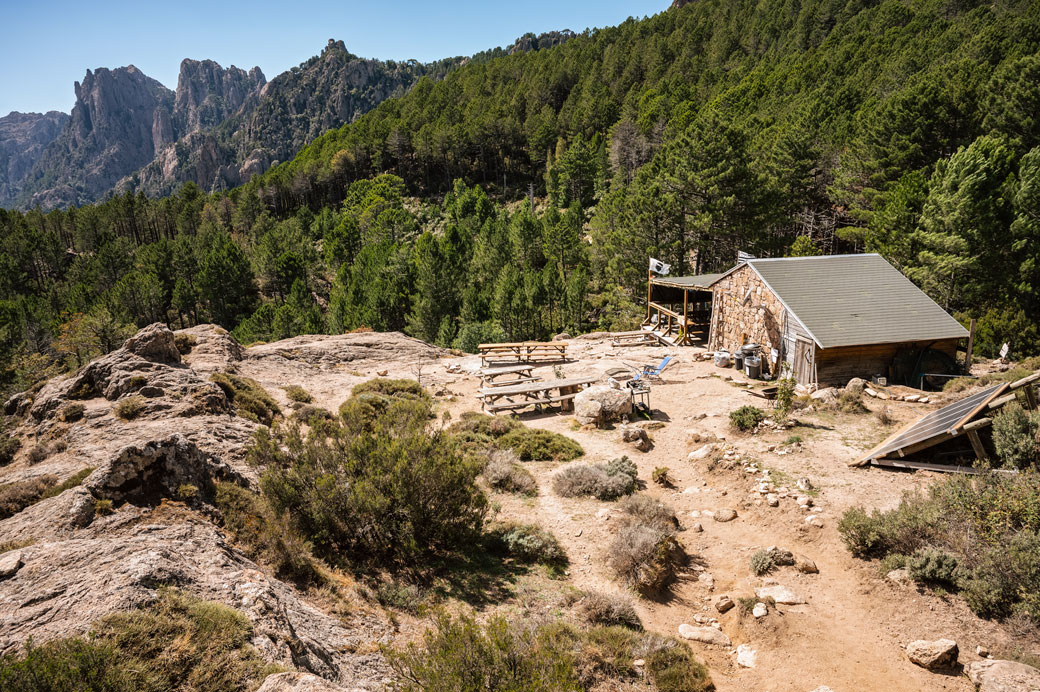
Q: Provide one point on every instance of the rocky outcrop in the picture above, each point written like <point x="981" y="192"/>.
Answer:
<point x="941" y="653"/>
<point x="23" y="139"/>
<point x="65" y="585"/>
<point x="1003" y="676"/>
<point x="208" y="94"/>
<point x="110" y="133"/>
<point x="299" y="682"/>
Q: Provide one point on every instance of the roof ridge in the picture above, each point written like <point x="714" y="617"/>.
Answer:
<point x="813" y="257"/>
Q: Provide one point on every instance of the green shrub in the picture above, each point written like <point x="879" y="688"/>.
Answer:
<point x="532" y="444"/>
<point x="660" y="476"/>
<point x="137" y="381"/>
<point x="485" y="425"/>
<point x="783" y="403"/>
<point x="382" y="490"/>
<point x="602" y="481"/>
<point x="762" y="563"/>
<point x="459" y="654"/>
<point x="14" y="497"/>
<point x="72" y="412"/>
<point x="528" y="543"/>
<point x="933" y="567"/>
<point x="609" y="609"/>
<point x="184" y="343"/>
<point x="72" y="481"/>
<point x="312" y="415"/>
<point x="1016" y="436"/>
<point x="297" y="393"/>
<point x="103" y="508"/>
<point x="251" y="401"/>
<point x="406" y="597"/>
<point x="406" y="389"/>
<point x="746" y="418"/>
<point x="267" y="537"/>
<point x="130" y="407"/>
<point x="502" y="472"/>
<point x="369" y="412"/>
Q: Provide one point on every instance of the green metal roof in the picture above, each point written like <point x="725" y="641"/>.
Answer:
<point x="847" y="300"/>
<point x="703" y="281"/>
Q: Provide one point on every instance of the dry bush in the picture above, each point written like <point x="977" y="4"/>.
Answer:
<point x="297" y="393"/>
<point x="14" y="497"/>
<point x="762" y="563"/>
<point x="130" y="407"/>
<point x="602" y="481"/>
<point x="503" y="472"/>
<point x="599" y="608"/>
<point x="646" y="510"/>
<point x="72" y="412"/>
<point x="251" y="401"/>
<point x="184" y="343"/>
<point x="646" y="558"/>
<point x="884" y="416"/>
<point x="527" y="543"/>
<point x="850" y="402"/>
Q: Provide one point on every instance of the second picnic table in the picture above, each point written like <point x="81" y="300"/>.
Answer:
<point x="534" y="394"/>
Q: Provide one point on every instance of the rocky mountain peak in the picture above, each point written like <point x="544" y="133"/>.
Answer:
<point x="207" y="93"/>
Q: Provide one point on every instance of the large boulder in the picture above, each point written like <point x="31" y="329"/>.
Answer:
<point x="940" y="653"/>
<point x="154" y="343"/>
<point x="1003" y="676"/>
<point x="704" y="635"/>
<point x="856" y="385"/>
<point x="602" y="405"/>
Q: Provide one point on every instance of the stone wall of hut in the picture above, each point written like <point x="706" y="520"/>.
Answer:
<point x="745" y="310"/>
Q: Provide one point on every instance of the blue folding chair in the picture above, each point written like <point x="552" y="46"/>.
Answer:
<point x="649" y="372"/>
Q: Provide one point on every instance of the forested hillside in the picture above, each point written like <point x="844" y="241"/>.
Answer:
<point x="521" y="195"/>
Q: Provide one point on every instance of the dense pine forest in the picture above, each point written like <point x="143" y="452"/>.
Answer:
<point x="521" y="195"/>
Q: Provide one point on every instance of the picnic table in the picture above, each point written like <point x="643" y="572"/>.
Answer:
<point x="523" y="351"/>
<point x="534" y="394"/>
<point x="490" y="377"/>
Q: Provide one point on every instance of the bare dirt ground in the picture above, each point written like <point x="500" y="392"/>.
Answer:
<point x="848" y="635"/>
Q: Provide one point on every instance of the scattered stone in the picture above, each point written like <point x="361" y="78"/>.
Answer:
<point x="705" y="635"/>
<point x="823" y="688"/>
<point x="804" y="501"/>
<point x="702" y="453"/>
<point x="912" y="397"/>
<point x="10" y="563"/>
<point x="805" y="565"/>
<point x="931" y="655"/>
<point x="299" y="682"/>
<point x="870" y="392"/>
<point x="697" y="528"/>
<point x="723" y="603"/>
<point x="982" y="651"/>
<point x="760" y="610"/>
<point x="746" y="656"/>
<point x="804" y="484"/>
<point x="636" y="437"/>
<point x="150" y="392"/>
<point x="856" y="384"/>
<point x="923" y="400"/>
<point x="382" y="373"/>
<point x="780" y="594"/>
<point x="562" y="336"/>
<point x="772" y="500"/>
<point x="706" y="579"/>
<point x="1003" y="676"/>
<point x="639" y="663"/>
<point x="724" y="515"/>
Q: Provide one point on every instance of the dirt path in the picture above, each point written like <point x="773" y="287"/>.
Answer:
<point x="850" y="633"/>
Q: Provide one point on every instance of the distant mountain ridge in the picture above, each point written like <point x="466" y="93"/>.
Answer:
<point x="128" y="132"/>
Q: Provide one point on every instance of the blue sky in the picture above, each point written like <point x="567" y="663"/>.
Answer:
<point x="47" y="45"/>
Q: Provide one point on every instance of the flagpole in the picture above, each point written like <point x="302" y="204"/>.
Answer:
<point x="649" y="278"/>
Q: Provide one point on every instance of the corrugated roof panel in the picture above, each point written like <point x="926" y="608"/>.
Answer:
<point x="847" y="300"/>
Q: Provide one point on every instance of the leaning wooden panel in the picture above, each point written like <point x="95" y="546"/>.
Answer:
<point x="937" y="426"/>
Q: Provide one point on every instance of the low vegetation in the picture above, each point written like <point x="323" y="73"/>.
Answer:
<point x="72" y="412"/>
<point x="179" y="642"/>
<point x="480" y="431"/>
<point x="645" y="553"/>
<point x="762" y="562"/>
<point x="660" y="475"/>
<point x="9" y="443"/>
<point x="1016" y="437"/>
<point x="251" y="401"/>
<point x="129" y="407"/>
<point x="504" y="472"/>
<point x="14" y="497"/>
<point x="460" y="654"/>
<point x="746" y="418"/>
<point x="850" y="401"/>
<point x="298" y="394"/>
<point x="599" y="608"/>
<point x="609" y="481"/>
<point x="978" y="536"/>
<point x="184" y="343"/>
<point x="375" y="486"/>
<point x="526" y="543"/>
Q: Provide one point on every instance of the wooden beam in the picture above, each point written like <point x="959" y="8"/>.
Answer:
<point x="971" y="347"/>
<point x="1028" y="379"/>
<point x="997" y="403"/>
<point x="976" y="445"/>
<point x="924" y="466"/>
<point x="975" y="425"/>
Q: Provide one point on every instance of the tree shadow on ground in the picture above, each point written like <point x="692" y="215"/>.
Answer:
<point x="476" y="577"/>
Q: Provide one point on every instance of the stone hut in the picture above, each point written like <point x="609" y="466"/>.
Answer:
<point x="823" y="319"/>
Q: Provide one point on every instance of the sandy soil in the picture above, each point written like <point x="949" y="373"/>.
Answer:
<point x="850" y="633"/>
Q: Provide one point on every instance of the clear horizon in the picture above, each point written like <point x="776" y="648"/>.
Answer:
<point x="50" y="46"/>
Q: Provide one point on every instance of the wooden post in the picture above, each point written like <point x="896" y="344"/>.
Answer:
<point x="1030" y="397"/>
<point x="971" y="347"/>
<point x="976" y="444"/>
<point x="649" y="278"/>
<point x="683" y="332"/>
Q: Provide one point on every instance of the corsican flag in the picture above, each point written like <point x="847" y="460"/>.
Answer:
<point x="659" y="267"/>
